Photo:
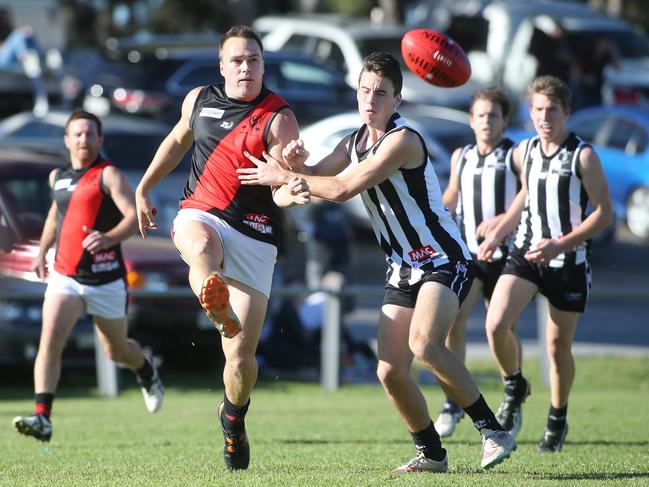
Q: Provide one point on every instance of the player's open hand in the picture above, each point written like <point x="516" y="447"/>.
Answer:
<point x="39" y="266"/>
<point x="266" y="174"/>
<point x="299" y="189"/>
<point x="294" y="153"/>
<point x="146" y="213"/>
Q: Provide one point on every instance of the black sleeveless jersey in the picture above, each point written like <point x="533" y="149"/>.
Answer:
<point x="81" y="200"/>
<point x="223" y="128"/>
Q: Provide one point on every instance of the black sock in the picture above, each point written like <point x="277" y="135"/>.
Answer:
<point x="482" y="416"/>
<point x="515" y="384"/>
<point x="43" y="403"/>
<point x="145" y="373"/>
<point x="233" y="416"/>
<point x="427" y="441"/>
<point x="557" y="418"/>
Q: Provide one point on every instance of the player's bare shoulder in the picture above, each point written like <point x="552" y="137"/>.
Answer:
<point x="408" y="146"/>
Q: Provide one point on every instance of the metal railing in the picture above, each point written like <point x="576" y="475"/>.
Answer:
<point x="108" y="377"/>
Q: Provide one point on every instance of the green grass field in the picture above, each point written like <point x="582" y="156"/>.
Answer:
<point x="302" y="435"/>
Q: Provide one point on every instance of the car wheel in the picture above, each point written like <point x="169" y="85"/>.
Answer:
<point x="637" y="213"/>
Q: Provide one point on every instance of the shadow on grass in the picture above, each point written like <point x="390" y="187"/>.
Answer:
<point x="17" y="383"/>
<point x="311" y="441"/>
<point x="593" y="442"/>
<point x="591" y="476"/>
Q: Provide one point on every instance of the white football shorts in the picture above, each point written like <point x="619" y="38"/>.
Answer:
<point x="105" y="300"/>
<point x="245" y="260"/>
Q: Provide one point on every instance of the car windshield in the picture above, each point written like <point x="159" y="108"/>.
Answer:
<point x="147" y="73"/>
<point x="28" y="198"/>
<point x="135" y="151"/>
<point x="391" y="45"/>
<point x="629" y="44"/>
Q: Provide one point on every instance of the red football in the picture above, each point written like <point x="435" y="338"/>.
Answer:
<point x="435" y="58"/>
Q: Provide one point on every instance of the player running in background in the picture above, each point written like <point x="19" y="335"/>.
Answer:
<point x="226" y="232"/>
<point x="481" y="187"/>
<point x="429" y="267"/>
<point x="560" y="175"/>
<point x="92" y="211"/>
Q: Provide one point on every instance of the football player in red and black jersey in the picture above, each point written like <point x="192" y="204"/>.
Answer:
<point x="228" y="233"/>
<point x="92" y="212"/>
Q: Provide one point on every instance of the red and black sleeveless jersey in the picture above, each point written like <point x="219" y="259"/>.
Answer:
<point x="223" y="128"/>
<point x="81" y="200"/>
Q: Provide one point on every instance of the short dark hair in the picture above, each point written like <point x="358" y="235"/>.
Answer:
<point x="552" y="87"/>
<point x="83" y="115"/>
<point x="495" y="96"/>
<point x="386" y="66"/>
<point x="241" y="31"/>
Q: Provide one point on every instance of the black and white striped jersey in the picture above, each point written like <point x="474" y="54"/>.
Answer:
<point x="414" y="229"/>
<point x="487" y="186"/>
<point x="556" y="202"/>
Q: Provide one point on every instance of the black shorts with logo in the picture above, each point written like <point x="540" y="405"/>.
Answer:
<point x="457" y="276"/>
<point x="565" y="287"/>
<point x="488" y="273"/>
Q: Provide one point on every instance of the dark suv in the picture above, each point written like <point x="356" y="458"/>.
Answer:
<point x="171" y="324"/>
<point x="155" y="83"/>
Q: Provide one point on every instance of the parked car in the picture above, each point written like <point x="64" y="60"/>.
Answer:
<point x="129" y="143"/>
<point x="171" y="325"/>
<point x="497" y="36"/>
<point x="343" y="42"/>
<point x="443" y="129"/>
<point x="24" y="202"/>
<point x="620" y="135"/>
<point x="155" y="84"/>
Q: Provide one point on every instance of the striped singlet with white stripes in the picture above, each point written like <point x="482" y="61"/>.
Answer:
<point x="414" y="229"/>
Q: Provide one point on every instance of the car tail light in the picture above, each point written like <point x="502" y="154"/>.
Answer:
<point x="135" y="280"/>
<point x="626" y="95"/>
<point x="138" y="101"/>
<point x="151" y="281"/>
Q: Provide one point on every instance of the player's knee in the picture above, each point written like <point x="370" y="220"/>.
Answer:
<point x="53" y="342"/>
<point x="496" y="328"/>
<point x="202" y="246"/>
<point x="425" y="350"/>
<point x="389" y="375"/>
<point x="240" y="363"/>
<point x="559" y="351"/>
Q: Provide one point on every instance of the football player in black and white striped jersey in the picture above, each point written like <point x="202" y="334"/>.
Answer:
<point x="429" y="266"/>
<point x="482" y="185"/>
<point x="560" y="175"/>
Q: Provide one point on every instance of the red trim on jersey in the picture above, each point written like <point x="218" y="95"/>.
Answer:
<point x="81" y="211"/>
<point x="218" y="184"/>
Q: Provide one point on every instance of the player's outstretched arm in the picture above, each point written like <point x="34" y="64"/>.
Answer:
<point x="48" y="236"/>
<point x="169" y="154"/>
